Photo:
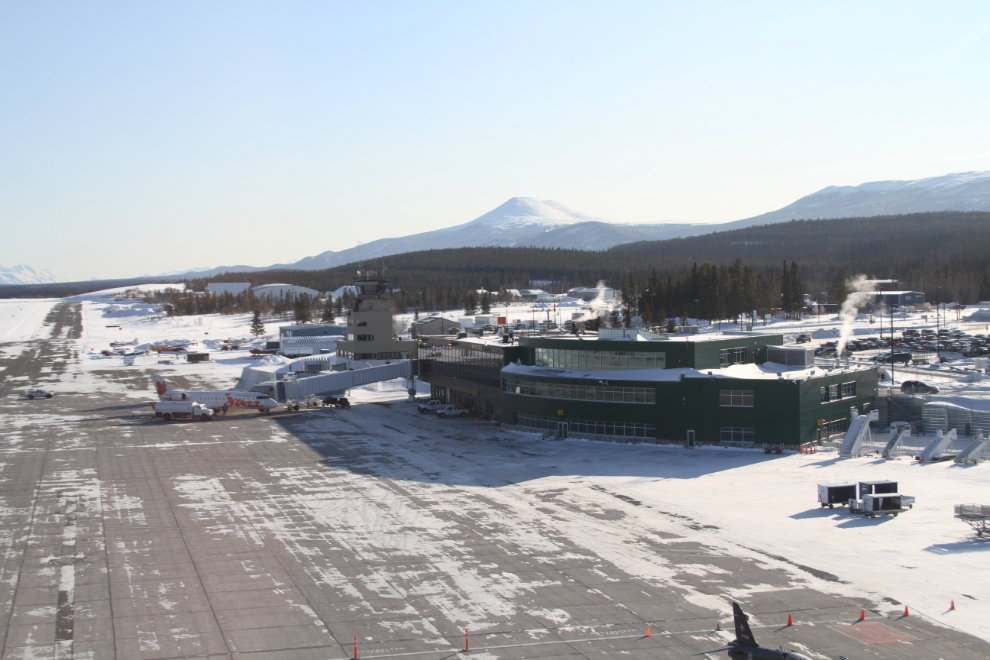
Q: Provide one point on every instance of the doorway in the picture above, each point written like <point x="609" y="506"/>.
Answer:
<point x="561" y="430"/>
<point x="690" y="439"/>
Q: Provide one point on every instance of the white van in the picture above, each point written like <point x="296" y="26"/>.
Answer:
<point x="169" y="410"/>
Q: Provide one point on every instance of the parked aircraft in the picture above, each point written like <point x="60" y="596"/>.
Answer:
<point x="176" y="348"/>
<point x="216" y="399"/>
<point x="744" y="646"/>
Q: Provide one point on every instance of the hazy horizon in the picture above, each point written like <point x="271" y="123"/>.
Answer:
<point x="142" y="138"/>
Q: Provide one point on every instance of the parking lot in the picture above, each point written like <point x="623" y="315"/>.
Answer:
<point x="302" y="534"/>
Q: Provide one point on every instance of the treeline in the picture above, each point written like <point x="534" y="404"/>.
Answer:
<point x="923" y="251"/>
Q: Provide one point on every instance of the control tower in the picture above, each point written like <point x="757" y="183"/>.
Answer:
<point x="370" y="338"/>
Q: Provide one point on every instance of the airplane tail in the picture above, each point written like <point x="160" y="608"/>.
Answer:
<point x="743" y="634"/>
<point x="163" y="389"/>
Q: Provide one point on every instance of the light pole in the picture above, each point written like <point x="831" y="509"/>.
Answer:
<point x="653" y="311"/>
<point x="821" y="294"/>
<point x="697" y="321"/>
<point x="938" y="337"/>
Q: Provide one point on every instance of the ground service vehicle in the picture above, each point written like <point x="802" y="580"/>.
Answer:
<point x="430" y="406"/>
<point x="450" y="410"/>
<point x="897" y="357"/>
<point x="38" y="394"/>
<point x="337" y="401"/>
<point x="169" y="410"/>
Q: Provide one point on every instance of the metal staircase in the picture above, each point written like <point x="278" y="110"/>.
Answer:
<point x="859" y="430"/>
<point x="938" y="445"/>
<point x="974" y="452"/>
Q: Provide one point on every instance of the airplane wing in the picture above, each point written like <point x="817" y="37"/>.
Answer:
<point x="724" y="648"/>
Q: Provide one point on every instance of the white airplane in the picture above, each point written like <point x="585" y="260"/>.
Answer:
<point x="217" y="399"/>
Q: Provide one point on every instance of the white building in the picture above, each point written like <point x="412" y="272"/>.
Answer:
<point x="228" y="287"/>
<point x="591" y="293"/>
<point x="282" y="290"/>
<point x="533" y="294"/>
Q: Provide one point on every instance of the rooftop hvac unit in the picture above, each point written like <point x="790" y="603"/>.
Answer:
<point x="792" y="356"/>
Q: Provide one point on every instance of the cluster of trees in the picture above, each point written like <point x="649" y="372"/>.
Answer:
<point x="711" y="292"/>
<point x="301" y="309"/>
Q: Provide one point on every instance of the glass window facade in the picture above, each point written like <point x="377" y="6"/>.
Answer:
<point x="474" y="364"/>
<point x="560" y="358"/>
<point x="736" y="434"/>
<point x="621" y="429"/>
<point x="838" y="392"/>
<point x="730" y="356"/>
<point x="583" y="392"/>
<point x="736" y="398"/>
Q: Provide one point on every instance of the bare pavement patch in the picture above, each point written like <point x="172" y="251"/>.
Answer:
<point x="309" y="535"/>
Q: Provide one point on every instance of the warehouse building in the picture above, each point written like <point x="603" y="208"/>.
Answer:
<point x="282" y="290"/>
<point x="733" y="389"/>
<point x="434" y="325"/>
<point x="312" y="330"/>
<point x="900" y="298"/>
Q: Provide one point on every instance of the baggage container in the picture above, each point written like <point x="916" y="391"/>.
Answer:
<point x="831" y="494"/>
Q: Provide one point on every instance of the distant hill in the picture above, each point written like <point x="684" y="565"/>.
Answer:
<point x="919" y="237"/>
<point x="529" y="222"/>
<point x="22" y="274"/>
<point x="966" y="191"/>
<point x="519" y="222"/>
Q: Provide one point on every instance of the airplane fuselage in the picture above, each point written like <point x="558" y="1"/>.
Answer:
<point x="218" y="399"/>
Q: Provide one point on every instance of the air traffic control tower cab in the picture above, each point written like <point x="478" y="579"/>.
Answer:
<point x="370" y="337"/>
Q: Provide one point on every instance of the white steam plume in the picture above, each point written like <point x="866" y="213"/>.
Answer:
<point x="860" y="294"/>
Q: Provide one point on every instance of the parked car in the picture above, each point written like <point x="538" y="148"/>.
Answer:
<point x="450" y="410"/>
<point x="917" y="387"/>
<point x="902" y="357"/>
<point x="38" y="394"/>
<point x="802" y="339"/>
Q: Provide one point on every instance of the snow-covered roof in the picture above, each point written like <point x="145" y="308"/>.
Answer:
<point x="765" y="371"/>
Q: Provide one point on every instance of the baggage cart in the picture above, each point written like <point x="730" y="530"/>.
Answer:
<point x="831" y="494"/>
<point x="976" y="516"/>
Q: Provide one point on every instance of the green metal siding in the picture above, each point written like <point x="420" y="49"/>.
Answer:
<point x="784" y="411"/>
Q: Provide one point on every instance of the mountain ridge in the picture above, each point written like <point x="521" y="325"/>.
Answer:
<point x="530" y="222"/>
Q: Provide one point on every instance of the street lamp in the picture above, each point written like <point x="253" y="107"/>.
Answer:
<point x="697" y="321"/>
<point x="938" y="337"/>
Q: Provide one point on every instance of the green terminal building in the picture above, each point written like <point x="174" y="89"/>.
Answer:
<point x="625" y="385"/>
<point x="731" y="389"/>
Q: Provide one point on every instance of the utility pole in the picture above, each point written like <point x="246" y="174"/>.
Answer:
<point x="938" y="337"/>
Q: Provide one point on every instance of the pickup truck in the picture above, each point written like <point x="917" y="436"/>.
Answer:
<point x="31" y="394"/>
<point x="430" y="406"/>
<point x="452" y="410"/>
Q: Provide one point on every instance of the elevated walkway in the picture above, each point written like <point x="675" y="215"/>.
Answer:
<point x="298" y="386"/>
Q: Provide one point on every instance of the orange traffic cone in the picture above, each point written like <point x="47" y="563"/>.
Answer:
<point x="906" y="611"/>
<point x="862" y="615"/>
<point x="647" y="631"/>
<point x="718" y="625"/>
<point x="790" y="621"/>
<point x="952" y="604"/>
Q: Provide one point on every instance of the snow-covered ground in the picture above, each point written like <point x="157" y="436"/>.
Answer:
<point x="747" y="502"/>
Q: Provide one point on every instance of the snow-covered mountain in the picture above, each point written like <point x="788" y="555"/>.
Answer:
<point x="520" y="222"/>
<point x="966" y="191"/>
<point x="22" y="274"/>
<point x="528" y="222"/>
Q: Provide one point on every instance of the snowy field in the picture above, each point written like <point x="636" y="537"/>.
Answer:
<point x="746" y="502"/>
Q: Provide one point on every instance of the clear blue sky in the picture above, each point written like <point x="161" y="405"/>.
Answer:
<point x="141" y="137"/>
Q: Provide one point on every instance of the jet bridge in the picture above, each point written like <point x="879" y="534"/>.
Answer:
<point x="298" y="386"/>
